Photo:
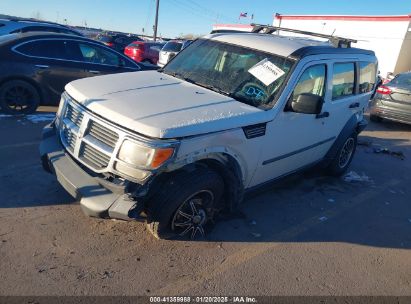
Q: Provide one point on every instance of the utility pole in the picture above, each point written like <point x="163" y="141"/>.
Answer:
<point x="156" y="21"/>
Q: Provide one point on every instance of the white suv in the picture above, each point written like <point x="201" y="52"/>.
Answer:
<point x="231" y="112"/>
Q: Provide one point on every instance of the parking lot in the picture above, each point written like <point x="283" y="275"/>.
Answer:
<point x="308" y="235"/>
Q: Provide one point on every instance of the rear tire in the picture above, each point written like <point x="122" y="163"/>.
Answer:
<point x="186" y="205"/>
<point x="18" y="97"/>
<point x="344" y="156"/>
<point x="375" y="118"/>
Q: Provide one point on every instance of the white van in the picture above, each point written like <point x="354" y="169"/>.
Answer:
<point x="231" y="112"/>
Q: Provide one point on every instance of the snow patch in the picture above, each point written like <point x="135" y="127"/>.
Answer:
<point x="36" y="118"/>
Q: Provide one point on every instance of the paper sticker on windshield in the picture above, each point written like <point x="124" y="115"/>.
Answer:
<point x="266" y="71"/>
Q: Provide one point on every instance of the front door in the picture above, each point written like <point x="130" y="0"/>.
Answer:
<point x="295" y="140"/>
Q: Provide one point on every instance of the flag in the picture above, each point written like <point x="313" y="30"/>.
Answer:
<point x="243" y="15"/>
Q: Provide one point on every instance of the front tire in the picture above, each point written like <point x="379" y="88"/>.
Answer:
<point x="186" y="205"/>
<point x="18" y="97"/>
<point x="344" y="156"/>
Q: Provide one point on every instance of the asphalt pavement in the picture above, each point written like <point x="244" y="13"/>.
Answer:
<point x="308" y="235"/>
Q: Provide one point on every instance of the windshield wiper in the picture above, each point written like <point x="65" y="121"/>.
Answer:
<point x="174" y="74"/>
<point x="208" y="86"/>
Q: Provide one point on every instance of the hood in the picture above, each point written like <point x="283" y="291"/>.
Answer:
<point x="161" y="106"/>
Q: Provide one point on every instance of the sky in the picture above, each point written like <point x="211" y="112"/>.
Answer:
<point x="178" y="17"/>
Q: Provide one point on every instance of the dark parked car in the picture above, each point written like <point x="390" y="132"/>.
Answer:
<point x="12" y="26"/>
<point x="35" y="67"/>
<point x="144" y="51"/>
<point x="393" y="100"/>
<point x="118" y="41"/>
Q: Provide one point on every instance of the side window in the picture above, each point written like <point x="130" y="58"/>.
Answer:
<point x="54" y="49"/>
<point x="95" y="54"/>
<point x="312" y="81"/>
<point x="343" y="80"/>
<point x="368" y="76"/>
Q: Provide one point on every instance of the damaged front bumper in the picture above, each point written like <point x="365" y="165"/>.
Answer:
<point x="98" y="197"/>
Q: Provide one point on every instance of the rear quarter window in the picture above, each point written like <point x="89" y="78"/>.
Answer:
<point x="53" y="49"/>
<point x="343" y="80"/>
<point x="368" y="76"/>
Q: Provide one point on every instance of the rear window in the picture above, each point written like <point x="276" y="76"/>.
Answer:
<point x="402" y="80"/>
<point x="105" y="38"/>
<point x="172" y="46"/>
<point x="136" y="45"/>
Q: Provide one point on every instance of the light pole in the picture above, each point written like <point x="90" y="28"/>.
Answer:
<point x="156" y="21"/>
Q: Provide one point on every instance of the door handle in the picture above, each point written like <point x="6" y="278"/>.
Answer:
<point x="322" y="115"/>
<point x="354" y="105"/>
<point x="94" y="72"/>
<point x="42" y="66"/>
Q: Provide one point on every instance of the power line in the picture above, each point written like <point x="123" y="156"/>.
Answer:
<point x="212" y="12"/>
<point x="192" y="10"/>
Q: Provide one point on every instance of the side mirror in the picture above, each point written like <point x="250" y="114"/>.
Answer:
<point x="308" y="103"/>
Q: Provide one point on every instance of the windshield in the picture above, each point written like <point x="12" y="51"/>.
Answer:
<point x="172" y="46"/>
<point x="249" y="76"/>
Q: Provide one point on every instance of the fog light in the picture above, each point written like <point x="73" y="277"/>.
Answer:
<point x="131" y="172"/>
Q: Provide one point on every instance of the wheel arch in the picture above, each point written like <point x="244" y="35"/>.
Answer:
<point x="350" y="127"/>
<point x="29" y="80"/>
<point x="226" y="165"/>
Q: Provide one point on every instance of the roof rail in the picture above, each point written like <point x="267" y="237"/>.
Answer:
<point x="335" y="40"/>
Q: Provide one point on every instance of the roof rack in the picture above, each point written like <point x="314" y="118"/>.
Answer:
<point x="335" y="40"/>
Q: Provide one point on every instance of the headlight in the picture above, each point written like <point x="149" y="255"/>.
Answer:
<point x="141" y="156"/>
<point x="63" y="99"/>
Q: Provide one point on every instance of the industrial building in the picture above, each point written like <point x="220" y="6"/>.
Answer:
<point x="388" y="36"/>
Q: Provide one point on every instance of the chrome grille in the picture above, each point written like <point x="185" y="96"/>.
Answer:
<point x="74" y="115"/>
<point x="70" y="139"/>
<point x="102" y="134"/>
<point x="88" y="138"/>
<point x="93" y="157"/>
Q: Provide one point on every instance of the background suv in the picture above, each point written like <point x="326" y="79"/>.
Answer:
<point x="171" y="49"/>
<point x="11" y="26"/>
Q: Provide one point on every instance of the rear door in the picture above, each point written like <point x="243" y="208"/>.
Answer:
<point x="100" y="60"/>
<point x="344" y="100"/>
<point x="53" y="64"/>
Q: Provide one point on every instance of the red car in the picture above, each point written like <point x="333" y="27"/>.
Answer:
<point x="144" y="51"/>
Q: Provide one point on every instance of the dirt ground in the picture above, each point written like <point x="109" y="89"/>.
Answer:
<point x="308" y="235"/>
